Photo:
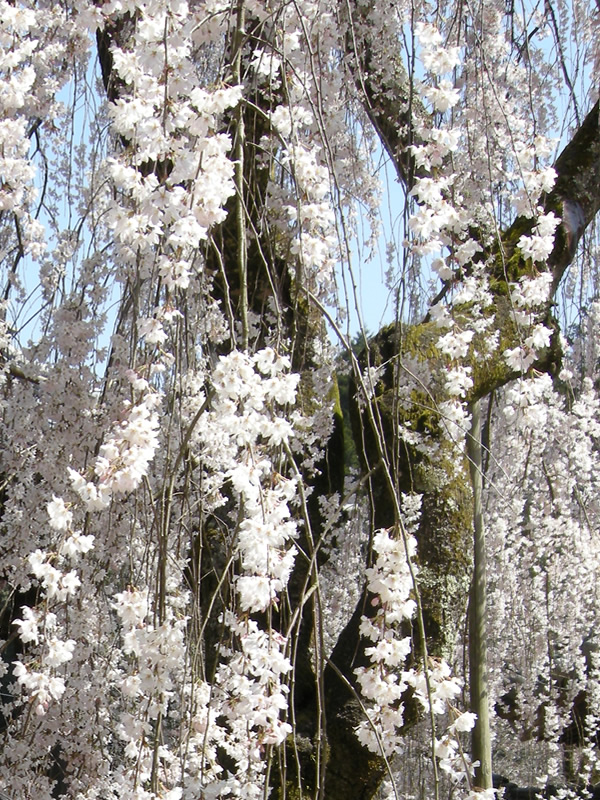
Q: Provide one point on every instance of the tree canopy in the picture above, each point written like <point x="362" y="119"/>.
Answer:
<point x="246" y="551"/>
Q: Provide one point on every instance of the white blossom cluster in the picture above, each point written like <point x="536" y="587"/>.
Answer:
<point x="245" y="413"/>
<point x="527" y="296"/>
<point x="240" y="438"/>
<point x="309" y="151"/>
<point x="385" y="682"/>
<point x="124" y="457"/>
<point x="19" y="32"/>
<point x="544" y="534"/>
<point x="170" y="122"/>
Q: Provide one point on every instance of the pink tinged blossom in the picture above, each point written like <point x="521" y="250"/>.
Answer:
<point x="56" y="687"/>
<point x="28" y="628"/>
<point x="429" y="190"/>
<point x="60" y="516"/>
<point x="445" y="748"/>
<point x="257" y="592"/>
<point x="37" y="561"/>
<point x="441" y="268"/>
<point x="283" y="388"/>
<point x="95" y="497"/>
<point x="537" y="248"/>
<point x="455" y="343"/>
<point x="459" y="381"/>
<point x="441" y="59"/>
<point x="519" y="358"/>
<point x="131" y="686"/>
<point x="547" y="179"/>
<point x="443" y="96"/>
<point x="282" y="121"/>
<point x="447" y="689"/>
<point x="69" y="583"/>
<point x="78" y="544"/>
<point x="436" y="58"/>
<point x="532" y="292"/>
<point x="455" y="418"/>
<point x="465" y="252"/>
<point x="539" y="337"/>
<point x="59" y="652"/>
<point x="540" y="244"/>
<point x="465" y="722"/>
<point x="440" y="315"/>
<point x="391" y="652"/>
<point x="50" y="577"/>
<point x="428" y="35"/>
<point x="152" y="331"/>
<point x="131" y="606"/>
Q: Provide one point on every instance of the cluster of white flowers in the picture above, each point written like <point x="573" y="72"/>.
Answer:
<point x="109" y="485"/>
<point x="157" y="652"/>
<point x="18" y="77"/>
<point x="125" y="455"/>
<point x="312" y="170"/>
<point x="440" y="224"/>
<point x="435" y="216"/>
<point x="40" y="687"/>
<point x="536" y="178"/>
<point x="539" y="245"/>
<point x="168" y="186"/>
<point x="454" y="415"/>
<point x="246" y="421"/>
<point x="545" y="534"/>
<point x="438" y="60"/>
<point x="19" y="28"/>
<point x="526" y="402"/>
<point x="383" y="683"/>
<point x="239" y="436"/>
<point x="312" y="217"/>
<point x="40" y="627"/>
<point x="527" y="296"/>
<point x="439" y="144"/>
<point x="240" y="713"/>
<point x="176" y="175"/>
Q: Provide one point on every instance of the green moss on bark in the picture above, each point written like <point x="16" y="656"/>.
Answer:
<point x="421" y="460"/>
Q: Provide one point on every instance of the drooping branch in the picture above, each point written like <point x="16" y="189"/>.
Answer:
<point x="575" y="199"/>
<point x="399" y="118"/>
<point x="250" y="274"/>
<point x="387" y="93"/>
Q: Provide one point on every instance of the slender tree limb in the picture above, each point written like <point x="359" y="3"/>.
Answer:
<point x="481" y="737"/>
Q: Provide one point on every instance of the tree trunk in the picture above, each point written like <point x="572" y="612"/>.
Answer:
<point x="481" y="738"/>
